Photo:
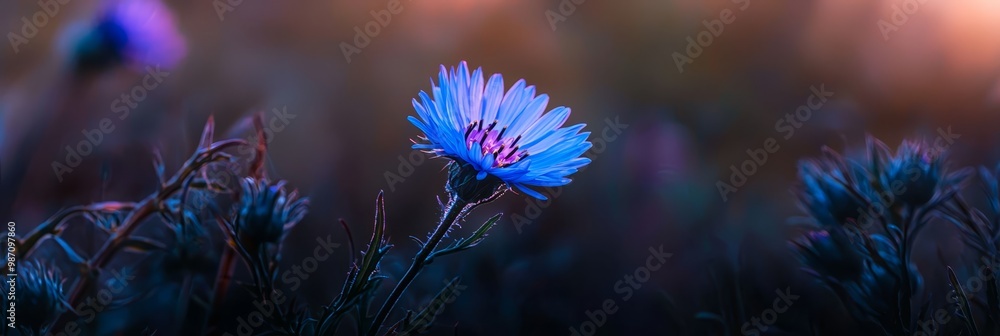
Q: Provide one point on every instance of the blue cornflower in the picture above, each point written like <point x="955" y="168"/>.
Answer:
<point x="496" y="139"/>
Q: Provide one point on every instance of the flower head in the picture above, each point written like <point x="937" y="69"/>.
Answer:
<point x="267" y="211"/>
<point x="134" y="32"/>
<point x="916" y="172"/>
<point x="829" y="193"/>
<point x="40" y="294"/>
<point x="495" y="138"/>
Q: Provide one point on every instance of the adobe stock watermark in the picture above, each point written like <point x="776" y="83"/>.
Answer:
<point x="566" y="8"/>
<point x="900" y="15"/>
<point x="407" y="166"/>
<point x="363" y="36"/>
<point x="533" y="207"/>
<point x="435" y="307"/>
<point x="293" y="278"/>
<point x="301" y="271"/>
<point x="39" y="19"/>
<point x="123" y="108"/>
<point x="625" y="288"/>
<point x="97" y="303"/>
<point x="12" y="286"/>
<point x="757" y="157"/>
<point x="985" y="273"/>
<point x="705" y="38"/>
<point x="280" y="119"/>
<point x="225" y="6"/>
<point x="768" y="317"/>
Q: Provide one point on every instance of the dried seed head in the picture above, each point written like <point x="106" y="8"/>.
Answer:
<point x="267" y="211"/>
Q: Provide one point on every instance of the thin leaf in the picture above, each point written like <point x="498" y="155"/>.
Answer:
<point x="467" y="243"/>
<point x="963" y="303"/>
<point x="159" y="167"/>
<point x="426" y="316"/>
<point x="208" y="133"/>
<point x="350" y="237"/>
<point x="362" y="281"/>
<point x="993" y="297"/>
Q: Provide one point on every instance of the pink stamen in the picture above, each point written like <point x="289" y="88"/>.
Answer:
<point x="504" y="150"/>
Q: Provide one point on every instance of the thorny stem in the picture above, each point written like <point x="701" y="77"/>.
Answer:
<point x="454" y="210"/>
<point x="54" y="224"/>
<point x="148" y="206"/>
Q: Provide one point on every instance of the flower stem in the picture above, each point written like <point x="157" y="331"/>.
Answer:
<point x="222" y="280"/>
<point x="454" y="209"/>
<point x="904" y="260"/>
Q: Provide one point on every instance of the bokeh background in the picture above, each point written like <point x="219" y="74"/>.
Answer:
<point x="653" y="183"/>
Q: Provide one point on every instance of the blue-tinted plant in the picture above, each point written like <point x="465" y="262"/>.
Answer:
<point x="40" y="298"/>
<point x="363" y="280"/>
<point x="869" y="265"/>
<point x="831" y="190"/>
<point x="494" y="142"/>
<point x="981" y="232"/>
<point x="918" y="171"/>
<point x="832" y="255"/>
<point x="264" y="213"/>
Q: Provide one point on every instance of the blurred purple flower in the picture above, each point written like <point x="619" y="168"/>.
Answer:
<point x="135" y="32"/>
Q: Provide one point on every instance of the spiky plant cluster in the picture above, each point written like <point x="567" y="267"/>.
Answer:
<point x="980" y="228"/>
<point x="867" y="214"/>
<point x="265" y="213"/>
<point x="120" y="221"/>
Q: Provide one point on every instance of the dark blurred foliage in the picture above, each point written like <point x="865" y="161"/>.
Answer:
<point x="338" y="135"/>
